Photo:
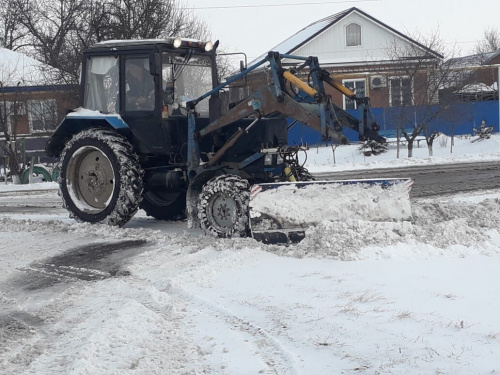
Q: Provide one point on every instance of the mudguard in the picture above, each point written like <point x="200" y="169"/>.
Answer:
<point x="79" y="120"/>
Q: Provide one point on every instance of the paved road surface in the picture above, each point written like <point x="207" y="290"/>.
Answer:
<point x="435" y="179"/>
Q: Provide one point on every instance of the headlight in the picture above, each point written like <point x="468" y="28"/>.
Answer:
<point x="209" y="46"/>
<point x="177" y="42"/>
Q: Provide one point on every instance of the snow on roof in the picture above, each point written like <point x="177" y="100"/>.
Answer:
<point x="473" y="60"/>
<point x="308" y="32"/>
<point x="19" y="69"/>
<point x="478" y="88"/>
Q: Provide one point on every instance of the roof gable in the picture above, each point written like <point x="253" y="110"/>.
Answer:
<point x="325" y="38"/>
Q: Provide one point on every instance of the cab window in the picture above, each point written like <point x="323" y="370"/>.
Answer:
<point x="101" y="84"/>
<point x="186" y="79"/>
<point x="139" y="85"/>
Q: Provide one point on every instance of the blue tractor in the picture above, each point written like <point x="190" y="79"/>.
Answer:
<point x="152" y="133"/>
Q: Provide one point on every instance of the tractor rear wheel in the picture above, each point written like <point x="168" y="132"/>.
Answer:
<point x="100" y="178"/>
<point x="223" y="206"/>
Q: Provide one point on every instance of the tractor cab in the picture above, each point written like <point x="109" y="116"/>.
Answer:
<point x="148" y="83"/>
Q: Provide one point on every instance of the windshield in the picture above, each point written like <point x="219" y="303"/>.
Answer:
<point x="185" y="79"/>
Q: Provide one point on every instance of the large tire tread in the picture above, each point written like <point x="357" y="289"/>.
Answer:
<point x="238" y="190"/>
<point x="130" y="174"/>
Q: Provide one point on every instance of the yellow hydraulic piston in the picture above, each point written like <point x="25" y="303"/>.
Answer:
<point x="300" y="84"/>
<point x="289" y="174"/>
<point x="312" y="92"/>
<point x="339" y="86"/>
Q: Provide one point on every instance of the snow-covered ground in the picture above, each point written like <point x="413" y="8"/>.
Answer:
<point x="356" y="296"/>
<point x="463" y="150"/>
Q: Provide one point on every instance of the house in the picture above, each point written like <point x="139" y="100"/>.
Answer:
<point x="31" y="104"/>
<point x="367" y="55"/>
<point x="475" y="77"/>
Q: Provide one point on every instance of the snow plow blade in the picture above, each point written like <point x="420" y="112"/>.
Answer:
<point x="282" y="212"/>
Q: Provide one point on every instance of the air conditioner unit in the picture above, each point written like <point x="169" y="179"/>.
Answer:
<point x="377" y="82"/>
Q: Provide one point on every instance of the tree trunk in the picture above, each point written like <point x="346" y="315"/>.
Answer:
<point x="430" y="143"/>
<point x="410" y="149"/>
<point x="13" y="165"/>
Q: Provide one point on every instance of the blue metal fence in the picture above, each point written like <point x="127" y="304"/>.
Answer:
<point x="457" y="119"/>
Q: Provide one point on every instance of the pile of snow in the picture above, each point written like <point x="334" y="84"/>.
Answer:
<point x="455" y="228"/>
<point x="303" y="204"/>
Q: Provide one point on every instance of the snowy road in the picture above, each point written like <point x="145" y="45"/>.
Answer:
<point x="354" y="297"/>
<point x="155" y="298"/>
<point x="430" y="180"/>
<point x="31" y="202"/>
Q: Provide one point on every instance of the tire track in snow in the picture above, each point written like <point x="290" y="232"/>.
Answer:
<point x="273" y="355"/>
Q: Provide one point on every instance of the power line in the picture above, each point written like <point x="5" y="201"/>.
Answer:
<point x="281" y="5"/>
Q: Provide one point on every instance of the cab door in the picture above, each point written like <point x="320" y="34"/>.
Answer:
<point x="139" y="102"/>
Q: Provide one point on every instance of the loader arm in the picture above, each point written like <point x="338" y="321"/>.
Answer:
<point x="274" y="98"/>
<point x="264" y="103"/>
<point x="366" y="126"/>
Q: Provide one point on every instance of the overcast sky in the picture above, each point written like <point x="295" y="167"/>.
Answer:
<point x="256" y="26"/>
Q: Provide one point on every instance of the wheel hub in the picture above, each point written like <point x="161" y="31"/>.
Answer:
<point x="93" y="182"/>
<point x="223" y="210"/>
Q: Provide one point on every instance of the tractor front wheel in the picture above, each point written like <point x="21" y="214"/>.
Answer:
<point x="223" y="206"/>
<point x="100" y="178"/>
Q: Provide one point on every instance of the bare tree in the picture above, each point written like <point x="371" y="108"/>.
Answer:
<point x="61" y="29"/>
<point x="490" y="43"/>
<point x="12" y="33"/>
<point x="9" y="109"/>
<point x="142" y="19"/>
<point x="50" y="24"/>
<point x="420" y="74"/>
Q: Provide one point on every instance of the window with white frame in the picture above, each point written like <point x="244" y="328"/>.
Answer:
<point x="359" y="88"/>
<point x="353" y="35"/>
<point x="400" y="91"/>
<point x="42" y="115"/>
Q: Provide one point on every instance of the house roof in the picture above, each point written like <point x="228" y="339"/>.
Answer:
<point x="473" y="60"/>
<point x="294" y="42"/>
<point x="478" y="88"/>
<point x="17" y="69"/>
